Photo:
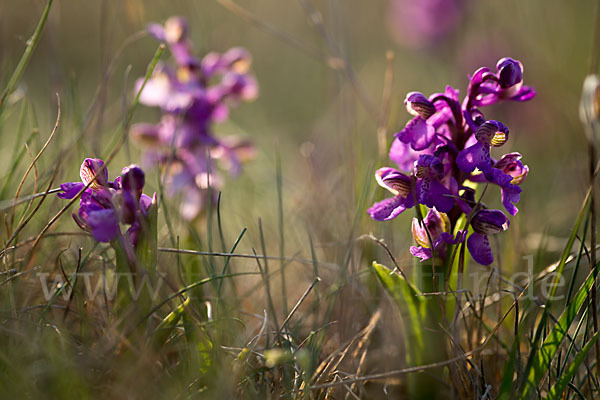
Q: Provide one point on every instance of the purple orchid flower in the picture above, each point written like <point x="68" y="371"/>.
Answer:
<point x="490" y="133"/>
<point x="104" y="205"/>
<point x="446" y="143"/>
<point x="430" y="116"/>
<point x="438" y="225"/>
<point x="430" y="190"/>
<point x="401" y="186"/>
<point x="484" y="223"/>
<point x="487" y="88"/>
<point x="511" y="165"/>
<point x="508" y="173"/>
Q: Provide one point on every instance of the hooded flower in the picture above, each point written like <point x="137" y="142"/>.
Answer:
<point x="438" y="226"/>
<point x="431" y="116"/>
<point x="508" y="173"/>
<point x="487" y="88"/>
<point x="104" y="205"/>
<point x="401" y="186"/>
<point x="490" y="133"/>
<point x="484" y="223"/>
<point x="430" y="190"/>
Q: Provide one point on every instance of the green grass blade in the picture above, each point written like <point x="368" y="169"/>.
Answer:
<point x="539" y="365"/>
<point x="531" y="379"/>
<point x="168" y="324"/>
<point x="556" y="393"/>
<point x="31" y="44"/>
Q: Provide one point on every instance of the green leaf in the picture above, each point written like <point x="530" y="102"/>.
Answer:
<point x="407" y="297"/>
<point x="168" y="324"/>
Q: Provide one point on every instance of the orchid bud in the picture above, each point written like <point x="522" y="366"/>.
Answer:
<point x="133" y="179"/>
<point x="510" y="72"/>
<point x="176" y="29"/>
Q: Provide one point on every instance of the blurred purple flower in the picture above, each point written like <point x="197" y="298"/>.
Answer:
<point x="193" y="95"/>
<point x="422" y="23"/>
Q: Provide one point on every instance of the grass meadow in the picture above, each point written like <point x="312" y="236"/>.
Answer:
<point x="274" y="281"/>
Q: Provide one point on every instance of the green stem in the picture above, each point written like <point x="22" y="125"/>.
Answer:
<point x="31" y="44"/>
<point x="434" y="349"/>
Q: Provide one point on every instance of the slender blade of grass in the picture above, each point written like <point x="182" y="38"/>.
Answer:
<point x="561" y="384"/>
<point x="31" y="44"/>
<point x="539" y="365"/>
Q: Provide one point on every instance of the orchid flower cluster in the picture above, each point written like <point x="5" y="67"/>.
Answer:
<point x="104" y="206"/>
<point x="193" y="95"/>
<point x="446" y="144"/>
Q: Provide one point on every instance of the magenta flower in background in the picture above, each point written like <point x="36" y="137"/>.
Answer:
<point x="447" y="143"/>
<point x="104" y="206"/>
<point x="193" y="95"/>
<point x="422" y="23"/>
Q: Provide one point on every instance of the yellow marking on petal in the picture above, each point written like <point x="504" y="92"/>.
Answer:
<point x="184" y="74"/>
<point x="499" y="139"/>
